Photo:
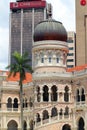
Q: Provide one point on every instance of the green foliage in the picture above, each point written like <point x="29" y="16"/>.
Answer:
<point x="20" y="65"/>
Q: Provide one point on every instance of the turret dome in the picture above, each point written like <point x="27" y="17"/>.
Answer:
<point x="50" y="30"/>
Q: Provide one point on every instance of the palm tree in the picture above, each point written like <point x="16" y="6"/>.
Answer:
<point x="21" y="65"/>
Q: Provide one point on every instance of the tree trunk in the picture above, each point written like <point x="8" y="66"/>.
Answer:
<point x="21" y="104"/>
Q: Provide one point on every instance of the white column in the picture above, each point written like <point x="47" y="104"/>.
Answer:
<point x="49" y="96"/>
<point x="57" y="96"/>
<point x="35" y="96"/>
<point x="41" y="92"/>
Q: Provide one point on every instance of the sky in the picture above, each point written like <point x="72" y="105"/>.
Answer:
<point x="63" y="11"/>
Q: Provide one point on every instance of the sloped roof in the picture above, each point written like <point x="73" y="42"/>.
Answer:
<point x="77" y="68"/>
<point x="16" y="78"/>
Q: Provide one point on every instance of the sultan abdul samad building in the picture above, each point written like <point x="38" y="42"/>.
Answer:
<point x="54" y="97"/>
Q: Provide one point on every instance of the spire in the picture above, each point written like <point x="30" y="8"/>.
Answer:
<point x="49" y="11"/>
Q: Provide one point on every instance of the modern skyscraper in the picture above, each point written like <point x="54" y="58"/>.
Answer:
<point x="71" y="57"/>
<point x="81" y="32"/>
<point x="24" y="16"/>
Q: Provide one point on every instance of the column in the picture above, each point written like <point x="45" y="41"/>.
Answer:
<point x="35" y="96"/>
<point x="49" y="94"/>
<point x="41" y="98"/>
<point x="57" y="96"/>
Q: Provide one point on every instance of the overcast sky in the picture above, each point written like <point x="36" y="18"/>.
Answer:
<point x="63" y="11"/>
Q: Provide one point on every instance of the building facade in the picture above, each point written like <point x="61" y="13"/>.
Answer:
<point x="54" y="97"/>
<point x="24" y="16"/>
<point x="81" y="32"/>
<point x="71" y="57"/>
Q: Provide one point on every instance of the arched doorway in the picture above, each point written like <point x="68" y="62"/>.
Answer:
<point x="12" y="125"/>
<point x="25" y="126"/>
<point x="66" y="127"/>
<point x="81" y="124"/>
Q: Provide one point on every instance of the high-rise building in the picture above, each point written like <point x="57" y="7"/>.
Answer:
<point x="24" y="16"/>
<point x="71" y="57"/>
<point x="81" y="32"/>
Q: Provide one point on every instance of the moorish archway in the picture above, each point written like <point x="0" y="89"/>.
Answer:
<point x="12" y="125"/>
<point x="66" y="127"/>
<point x="81" y="124"/>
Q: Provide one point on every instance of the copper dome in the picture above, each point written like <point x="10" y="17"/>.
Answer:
<point x="50" y="30"/>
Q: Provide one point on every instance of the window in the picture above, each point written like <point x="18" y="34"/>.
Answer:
<point x="9" y="103"/>
<point x="66" y="94"/>
<point x="70" y="54"/>
<point x="54" y="93"/>
<point x="38" y="119"/>
<point x="42" y="60"/>
<point x="24" y="125"/>
<point x="66" y="111"/>
<point x="57" y="59"/>
<point x="70" y="40"/>
<point x="45" y="93"/>
<point x="54" y="112"/>
<point x="15" y="104"/>
<point x="81" y="124"/>
<point x="49" y="59"/>
<point x="70" y="48"/>
<point x="70" y="66"/>
<point x="77" y="96"/>
<point x="70" y="60"/>
<point x="45" y="114"/>
<point x="82" y="95"/>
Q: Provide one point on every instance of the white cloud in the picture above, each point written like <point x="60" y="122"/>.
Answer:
<point x="4" y="41"/>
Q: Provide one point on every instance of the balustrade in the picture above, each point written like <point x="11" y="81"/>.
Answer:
<point x="53" y="119"/>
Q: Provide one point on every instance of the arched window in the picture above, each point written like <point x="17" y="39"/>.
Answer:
<point x="54" y="93"/>
<point x="77" y="96"/>
<point x="82" y="95"/>
<point x="15" y="104"/>
<point x="54" y="112"/>
<point x="42" y="58"/>
<point x="38" y="119"/>
<point x="66" y="111"/>
<point x="66" y="94"/>
<point x="45" y="93"/>
<point x="9" y="103"/>
<point x="57" y="59"/>
<point x="66" y="127"/>
<point x="81" y="124"/>
<point x="49" y="57"/>
<point x="12" y="125"/>
<point x="45" y="115"/>
<point x="25" y="126"/>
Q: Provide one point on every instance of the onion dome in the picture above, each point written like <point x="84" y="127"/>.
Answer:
<point x="50" y="30"/>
